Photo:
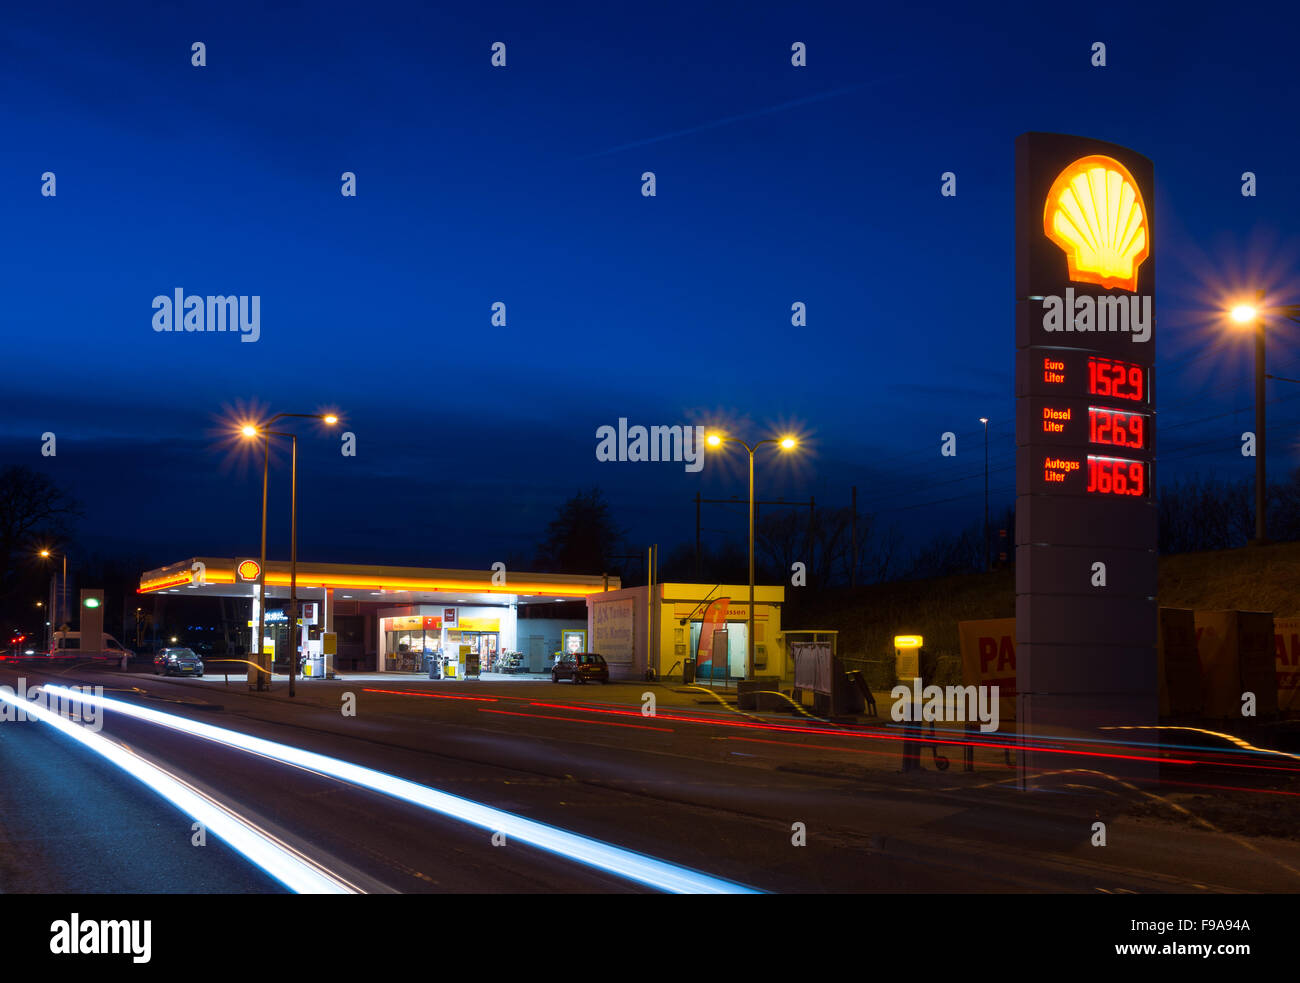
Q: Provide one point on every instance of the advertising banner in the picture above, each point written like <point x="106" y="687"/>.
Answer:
<point x="1236" y="658"/>
<point x="1286" y="645"/>
<point x="988" y="658"/>
<point x="715" y="617"/>
<point x="612" y="629"/>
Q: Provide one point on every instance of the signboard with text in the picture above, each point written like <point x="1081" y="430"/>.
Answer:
<point x="1286" y="654"/>
<point x="1085" y="334"/>
<point x="612" y="629"/>
<point x="988" y="658"/>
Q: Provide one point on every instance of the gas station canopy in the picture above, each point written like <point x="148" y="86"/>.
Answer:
<point x="208" y="576"/>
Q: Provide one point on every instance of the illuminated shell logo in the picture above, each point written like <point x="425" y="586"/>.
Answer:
<point x="249" y="569"/>
<point x="1095" y="213"/>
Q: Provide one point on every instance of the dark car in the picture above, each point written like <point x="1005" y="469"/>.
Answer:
<point x="178" y="662"/>
<point x="580" y="667"/>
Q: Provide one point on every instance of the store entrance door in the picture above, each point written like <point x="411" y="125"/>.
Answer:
<point x="484" y="645"/>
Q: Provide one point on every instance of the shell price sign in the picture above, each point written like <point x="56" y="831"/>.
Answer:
<point x="1085" y="334"/>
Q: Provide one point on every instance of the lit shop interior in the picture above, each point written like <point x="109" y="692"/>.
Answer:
<point x="527" y="646"/>
<point x="410" y="640"/>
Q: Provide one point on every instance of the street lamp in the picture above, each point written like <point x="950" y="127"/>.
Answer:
<point x="1245" y="314"/>
<point x="988" y="564"/>
<point x="252" y="430"/>
<point x="60" y="609"/>
<point x="716" y="440"/>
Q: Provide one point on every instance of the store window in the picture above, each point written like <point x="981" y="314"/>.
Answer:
<point x="410" y="641"/>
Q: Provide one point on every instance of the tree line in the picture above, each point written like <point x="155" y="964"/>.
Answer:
<point x="1194" y="514"/>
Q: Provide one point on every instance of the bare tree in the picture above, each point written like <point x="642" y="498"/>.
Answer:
<point x="33" y="510"/>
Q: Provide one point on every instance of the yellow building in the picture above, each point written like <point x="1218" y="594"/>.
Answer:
<point x="639" y="628"/>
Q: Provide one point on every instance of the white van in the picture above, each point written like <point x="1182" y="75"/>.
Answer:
<point x="67" y="644"/>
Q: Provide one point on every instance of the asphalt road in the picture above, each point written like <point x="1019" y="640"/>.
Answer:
<point x="694" y="785"/>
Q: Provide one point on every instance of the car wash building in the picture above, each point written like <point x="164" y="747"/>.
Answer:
<point x="662" y="628"/>
<point x="392" y="619"/>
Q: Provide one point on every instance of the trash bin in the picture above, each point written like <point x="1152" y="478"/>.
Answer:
<point x="688" y="671"/>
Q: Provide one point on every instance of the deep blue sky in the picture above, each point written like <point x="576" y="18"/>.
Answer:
<point x="775" y="184"/>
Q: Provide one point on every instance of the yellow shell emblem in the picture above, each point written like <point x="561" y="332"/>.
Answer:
<point x="1095" y="213"/>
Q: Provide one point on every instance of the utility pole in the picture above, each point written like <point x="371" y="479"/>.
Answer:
<point x="853" y="548"/>
<point x="698" y="559"/>
<point x="1261" y="493"/>
<point x="988" y="564"/>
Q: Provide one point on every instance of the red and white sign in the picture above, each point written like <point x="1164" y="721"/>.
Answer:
<point x="715" y="616"/>
<point x="988" y="658"/>
<point x="1286" y="650"/>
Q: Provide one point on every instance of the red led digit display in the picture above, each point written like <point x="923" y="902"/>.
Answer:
<point x="1116" y="476"/>
<point x="1117" y="427"/>
<point x="1116" y="379"/>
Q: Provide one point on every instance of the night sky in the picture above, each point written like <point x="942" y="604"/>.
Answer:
<point x="522" y="185"/>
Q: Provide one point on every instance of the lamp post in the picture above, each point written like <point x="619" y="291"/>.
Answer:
<point x="252" y="430"/>
<point x="1244" y="314"/>
<point x="785" y="443"/>
<point x="61" y="607"/>
<point x="988" y="564"/>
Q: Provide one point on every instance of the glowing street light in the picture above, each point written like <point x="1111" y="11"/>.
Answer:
<point x="788" y="443"/>
<point x="1246" y="314"/>
<point x="253" y="430"/>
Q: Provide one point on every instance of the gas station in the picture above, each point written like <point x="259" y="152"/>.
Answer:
<point x="398" y="616"/>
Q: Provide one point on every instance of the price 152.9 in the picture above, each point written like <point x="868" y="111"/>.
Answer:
<point x="1116" y="379"/>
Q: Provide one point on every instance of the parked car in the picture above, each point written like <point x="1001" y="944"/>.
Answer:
<point x="580" y="667"/>
<point x="177" y="661"/>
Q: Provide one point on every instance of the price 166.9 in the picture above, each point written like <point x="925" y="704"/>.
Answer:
<point x="1116" y="476"/>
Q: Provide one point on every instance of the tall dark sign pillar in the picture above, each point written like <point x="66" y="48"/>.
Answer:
<point x="1086" y="615"/>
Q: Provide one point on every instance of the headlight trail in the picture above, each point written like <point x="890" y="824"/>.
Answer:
<point x="1244" y="745"/>
<point x="1091" y="747"/>
<point x="652" y="872"/>
<point x="277" y="859"/>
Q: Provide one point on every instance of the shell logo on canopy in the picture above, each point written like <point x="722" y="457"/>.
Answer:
<point x="248" y="570"/>
<point x="1096" y="214"/>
